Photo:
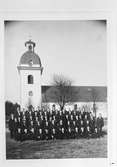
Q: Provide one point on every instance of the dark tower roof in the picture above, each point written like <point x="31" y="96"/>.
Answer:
<point x="30" y="55"/>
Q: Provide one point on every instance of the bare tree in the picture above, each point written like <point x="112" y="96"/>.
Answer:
<point x="94" y="99"/>
<point x="63" y="92"/>
<point x="45" y="101"/>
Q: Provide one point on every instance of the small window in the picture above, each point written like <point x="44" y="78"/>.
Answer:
<point x="30" y="93"/>
<point x="30" y="79"/>
<point x="30" y="62"/>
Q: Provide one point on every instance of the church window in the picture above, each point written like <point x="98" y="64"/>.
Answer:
<point x="30" y="79"/>
<point x="30" y="93"/>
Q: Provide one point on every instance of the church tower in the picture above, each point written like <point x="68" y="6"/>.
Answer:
<point x="30" y="71"/>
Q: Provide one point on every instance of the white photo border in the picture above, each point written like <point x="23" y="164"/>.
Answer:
<point x="111" y="84"/>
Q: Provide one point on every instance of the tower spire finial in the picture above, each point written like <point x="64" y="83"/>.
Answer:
<point x="31" y="45"/>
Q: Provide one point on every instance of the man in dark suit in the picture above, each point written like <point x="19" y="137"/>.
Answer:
<point x="99" y="124"/>
<point x="18" y="113"/>
<point x="18" y="134"/>
<point x="12" y="126"/>
<point x="46" y="134"/>
<point x="32" y="134"/>
<point x="92" y="125"/>
<point x="62" y="133"/>
<point x="85" y="125"/>
<point x="76" y="132"/>
<point x="40" y="135"/>
<point x="53" y="134"/>
<point x="69" y="133"/>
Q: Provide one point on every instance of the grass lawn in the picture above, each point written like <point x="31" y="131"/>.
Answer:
<point x="73" y="148"/>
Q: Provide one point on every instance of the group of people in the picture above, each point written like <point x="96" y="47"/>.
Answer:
<point x="54" y="124"/>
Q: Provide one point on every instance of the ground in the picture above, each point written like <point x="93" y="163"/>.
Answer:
<point x="72" y="148"/>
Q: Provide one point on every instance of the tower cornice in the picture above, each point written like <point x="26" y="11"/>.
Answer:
<point x="29" y="68"/>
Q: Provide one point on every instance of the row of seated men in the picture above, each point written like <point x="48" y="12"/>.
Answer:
<point x="46" y="125"/>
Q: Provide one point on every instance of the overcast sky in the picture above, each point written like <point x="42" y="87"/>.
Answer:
<point x="76" y="49"/>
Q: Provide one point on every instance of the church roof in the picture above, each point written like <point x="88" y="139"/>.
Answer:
<point x="30" y="56"/>
<point x="83" y="93"/>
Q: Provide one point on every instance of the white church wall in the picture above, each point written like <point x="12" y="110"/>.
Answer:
<point x="35" y="99"/>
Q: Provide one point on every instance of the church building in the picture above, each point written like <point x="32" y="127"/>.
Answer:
<point x="32" y="92"/>
<point x="30" y="71"/>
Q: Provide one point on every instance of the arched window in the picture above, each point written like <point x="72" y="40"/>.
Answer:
<point x="30" y="79"/>
<point x="30" y="93"/>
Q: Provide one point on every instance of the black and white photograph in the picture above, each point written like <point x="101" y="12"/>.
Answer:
<point x="56" y="104"/>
